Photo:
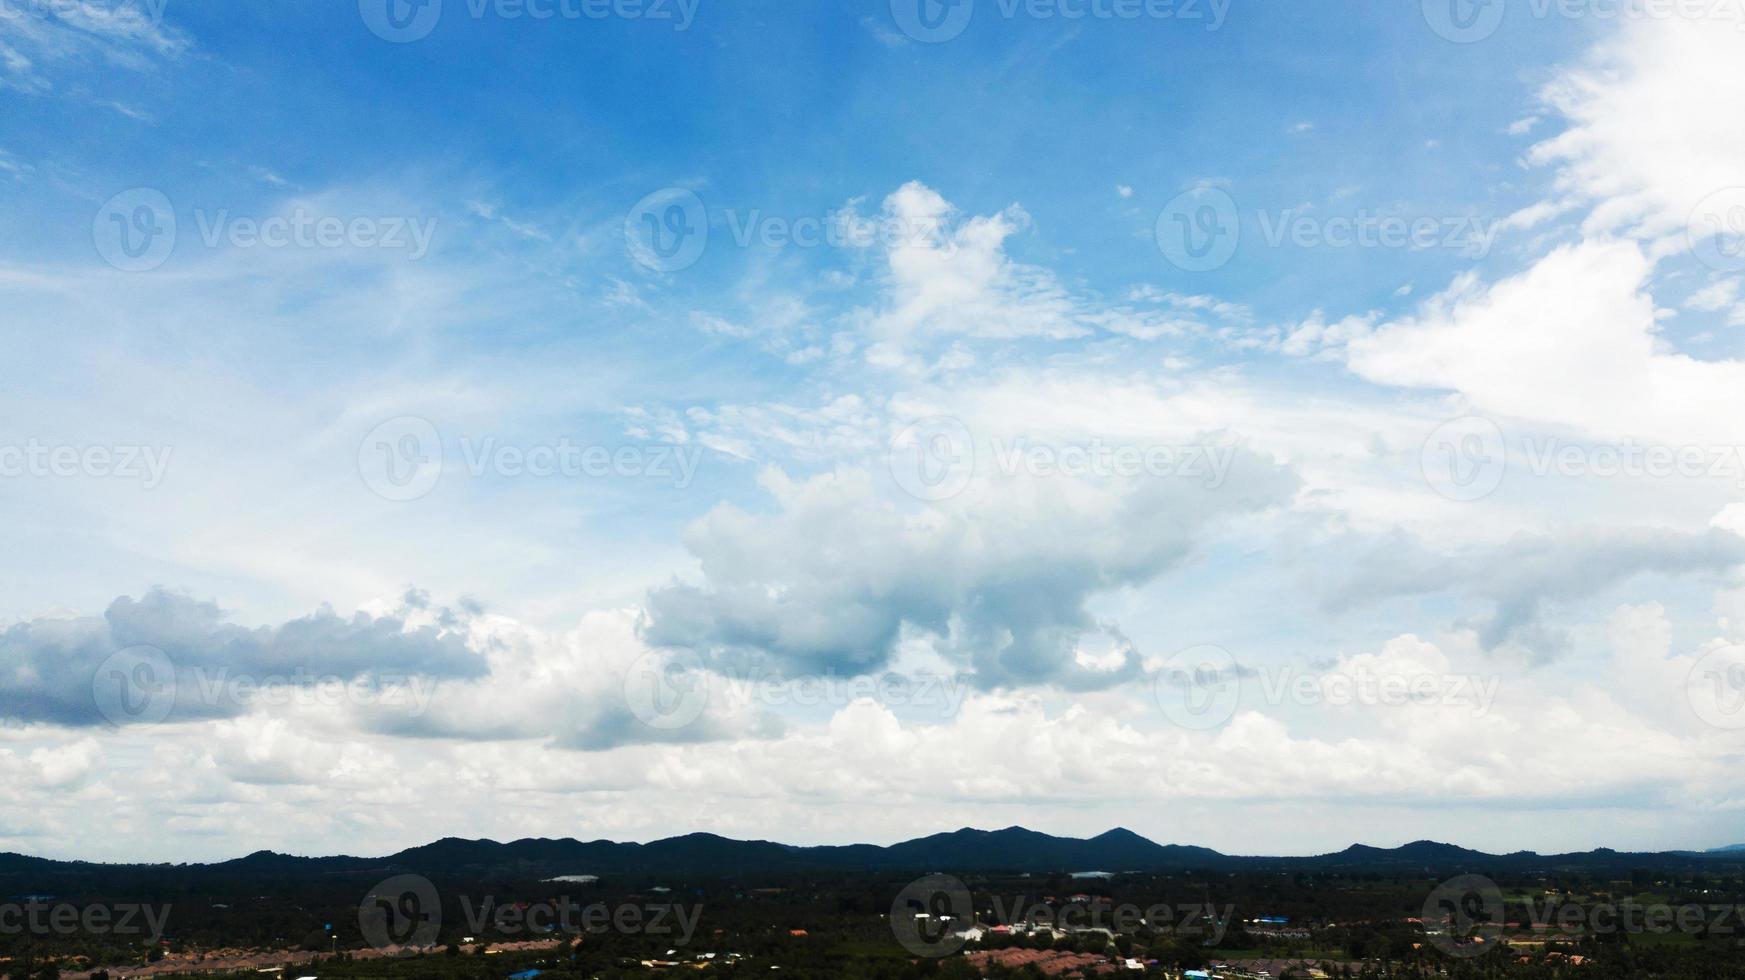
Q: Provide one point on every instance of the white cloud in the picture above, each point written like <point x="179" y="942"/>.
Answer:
<point x="999" y="576"/>
<point x="38" y="40"/>
<point x="1545" y="344"/>
<point x="1031" y="585"/>
<point x="1718" y="295"/>
<point x="1651" y="123"/>
<point x="951" y="276"/>
<point x="11" y="167"/>
<point x="861" y="771"/>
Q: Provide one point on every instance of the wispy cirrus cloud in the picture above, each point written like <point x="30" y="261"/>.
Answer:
<point x="40" y="41"/>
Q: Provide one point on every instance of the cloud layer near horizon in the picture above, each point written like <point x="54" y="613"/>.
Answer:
<point x="792" y="635"/>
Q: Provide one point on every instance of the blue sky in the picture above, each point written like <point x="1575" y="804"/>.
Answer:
<point x="778" y="463"/>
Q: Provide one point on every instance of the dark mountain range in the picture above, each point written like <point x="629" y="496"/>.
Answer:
<point x="1012" y="849"/>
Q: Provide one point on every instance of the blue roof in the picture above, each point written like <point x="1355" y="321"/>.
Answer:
<point x="524" y="975"/>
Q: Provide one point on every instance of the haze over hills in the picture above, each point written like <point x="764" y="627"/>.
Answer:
<point x="1013" y="849"/>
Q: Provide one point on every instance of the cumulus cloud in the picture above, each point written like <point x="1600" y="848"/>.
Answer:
<point x="1573" y="341"/>
<point x="1651" y="123"/>
<point x="54" y="767"/>
<point x="828" y="582"/>
<point x="949" y="275"/>
<point x="574" y="690"/>
<point x="1527" y="577"/>
<point x="49" y="666"/>
<point x="1545" y="344"/>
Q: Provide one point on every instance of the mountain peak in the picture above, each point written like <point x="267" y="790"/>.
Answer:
<point x="1119" y="834"/>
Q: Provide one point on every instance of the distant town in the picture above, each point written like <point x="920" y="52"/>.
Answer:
<point x="698" y="905"/>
